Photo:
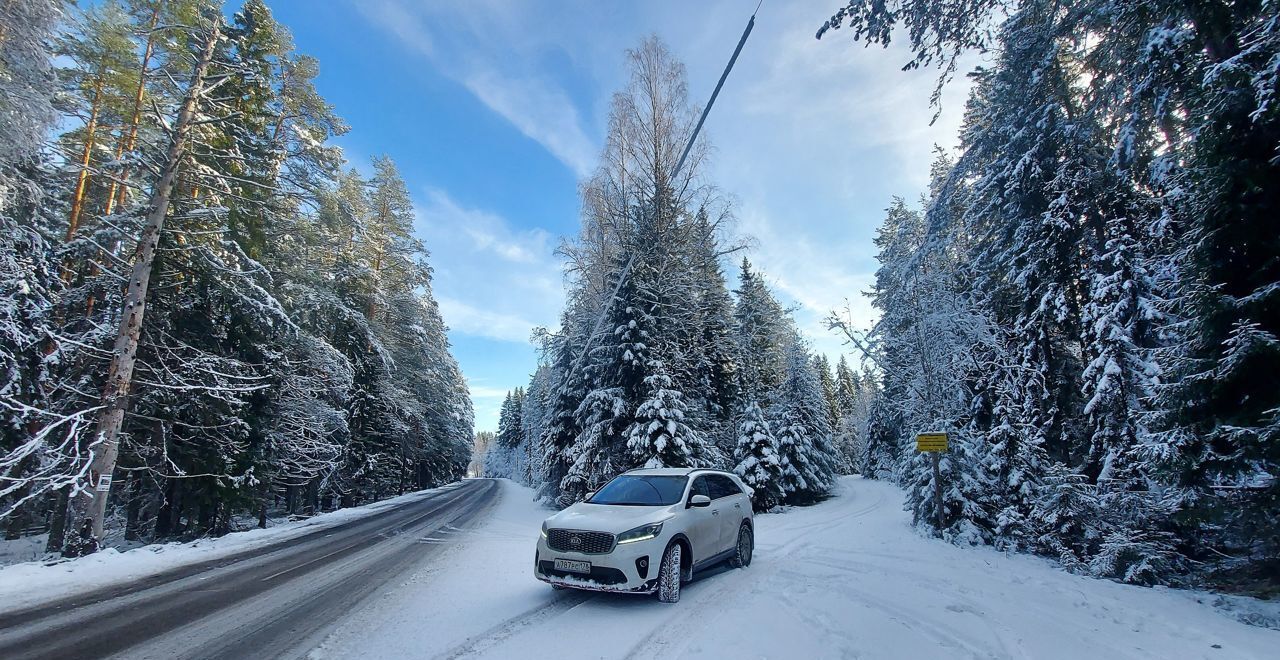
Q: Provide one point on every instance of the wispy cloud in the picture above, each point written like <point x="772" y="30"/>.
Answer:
<point x="486" y="392"/>
<point x="489" y="68"/>
<point x="492" y="280"/>
<point x="472" y="320"/>
<point x="543" y="113"/>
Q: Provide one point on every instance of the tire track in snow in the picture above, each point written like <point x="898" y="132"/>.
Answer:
<point x="672" y="636"/>
<point x="940" y="632"/>
<point x="479" y="643"/>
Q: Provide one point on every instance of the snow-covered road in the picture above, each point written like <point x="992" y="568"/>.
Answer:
<point x="848" y="578"/>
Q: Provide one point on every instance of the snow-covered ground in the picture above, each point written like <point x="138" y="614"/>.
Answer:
<point x="33" y="582"/>
<point x="847" y="578"/>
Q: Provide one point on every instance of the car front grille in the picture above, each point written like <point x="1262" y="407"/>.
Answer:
<point x="573" y="540"/>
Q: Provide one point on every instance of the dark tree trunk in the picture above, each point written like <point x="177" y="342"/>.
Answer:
<point x="132" y="525"/>
<point x="58" y="522"/>
<point x="313" y="496"/>
<point x="17" y="523"/>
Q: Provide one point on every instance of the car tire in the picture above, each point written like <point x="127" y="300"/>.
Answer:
<point x="746" y="545"/>
<point x="669" y="575"/>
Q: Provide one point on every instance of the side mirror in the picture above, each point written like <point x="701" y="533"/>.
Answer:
<point x="588" y="496"/>
<point x="699" y="501"/>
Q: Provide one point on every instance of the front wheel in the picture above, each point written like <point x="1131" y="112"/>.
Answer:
<point x="746" y="544"/>
<point x="669" y="575"/>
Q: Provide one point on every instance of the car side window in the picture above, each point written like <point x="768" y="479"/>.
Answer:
<point x="700" y="488"/>
<point x="722" y="486"/>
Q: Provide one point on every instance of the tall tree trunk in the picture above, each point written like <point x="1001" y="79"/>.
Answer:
<point x="166" y="517"/>
<point x="82" y="179"/>
<point x="117" y="195"/>
<point x="118" y="192"/>
<point x="264" y="491"/>
<point x="133" y="519"/>
<point x="92" y="503"/>
<point x="58" y="522"/>
<point x="20" y="517"/>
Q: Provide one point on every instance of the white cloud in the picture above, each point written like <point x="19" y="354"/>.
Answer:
<point x="485" y="392"/>
<point x="540" y="111"/>
<point x="471" y="320"/>
<point x="491" y="279"/>
<point x="493" y="282"/>
<point x="487" y="64"/>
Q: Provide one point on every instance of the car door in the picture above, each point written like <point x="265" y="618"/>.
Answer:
<point x="726" y="498"/>
<point x="703" y="529"/>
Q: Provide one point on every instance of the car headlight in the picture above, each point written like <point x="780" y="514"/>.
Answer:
<point x="544" y="530"/>
<point x="641" y="533"/>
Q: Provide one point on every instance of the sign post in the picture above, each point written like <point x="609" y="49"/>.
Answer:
<point x="934" y="444"/>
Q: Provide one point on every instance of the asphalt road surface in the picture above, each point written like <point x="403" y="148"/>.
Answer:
<point x="278" y="600"/>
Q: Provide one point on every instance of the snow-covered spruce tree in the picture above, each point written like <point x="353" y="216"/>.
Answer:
<point x="638" y="343"/>
<point x="1217" y="430"/>
<point x="503" y="457"/>
<point x="827" y="380"/>
<point x="566" y="394"/>
<point x="1068" y="202"/>
<point x="854" y="395"/>
<point x="615" y="370"/>
<point x="711" y="345"/>
<point x="761" y="328"/>
<point x="884" y="429"/>
<point x="759" y="460"/>
<point x="799" y="418"/>
<point x="659" y="436"/>
<point x="533" y="425"/>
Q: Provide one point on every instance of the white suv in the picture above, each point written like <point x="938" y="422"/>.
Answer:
<point x="647" y="531"/>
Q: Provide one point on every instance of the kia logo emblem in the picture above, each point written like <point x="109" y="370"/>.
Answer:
<point x="575" y="540"/>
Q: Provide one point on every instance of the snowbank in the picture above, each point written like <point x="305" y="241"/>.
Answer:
<point x="30" y="583"/>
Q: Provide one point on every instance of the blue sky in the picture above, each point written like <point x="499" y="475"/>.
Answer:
<point x="495" y="109"/>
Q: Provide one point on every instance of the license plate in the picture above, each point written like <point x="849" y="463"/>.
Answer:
<point x="570" y="566"/>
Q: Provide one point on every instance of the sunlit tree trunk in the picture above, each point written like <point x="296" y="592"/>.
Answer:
<point x="118" y="193"/>
<point x="88" y="507"/>
<point x="82" y="179"/>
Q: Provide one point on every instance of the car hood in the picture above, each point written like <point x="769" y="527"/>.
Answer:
<point x="607" y="518"/>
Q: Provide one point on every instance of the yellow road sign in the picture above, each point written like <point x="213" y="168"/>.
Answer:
<point x="931" y="442"/>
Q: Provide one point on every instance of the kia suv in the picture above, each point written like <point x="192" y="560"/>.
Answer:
<point x="648" y="531"/>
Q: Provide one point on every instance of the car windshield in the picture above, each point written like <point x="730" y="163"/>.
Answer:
<point x="632" y="490"/>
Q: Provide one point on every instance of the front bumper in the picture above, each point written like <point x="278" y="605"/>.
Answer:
<point x="629" y="568"/>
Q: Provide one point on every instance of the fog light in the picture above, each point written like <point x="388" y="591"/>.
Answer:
<point x="642" y="567"/>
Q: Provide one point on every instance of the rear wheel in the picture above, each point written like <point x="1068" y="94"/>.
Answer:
<point x="746" y="545"/>
<point x="669" y="575"/>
